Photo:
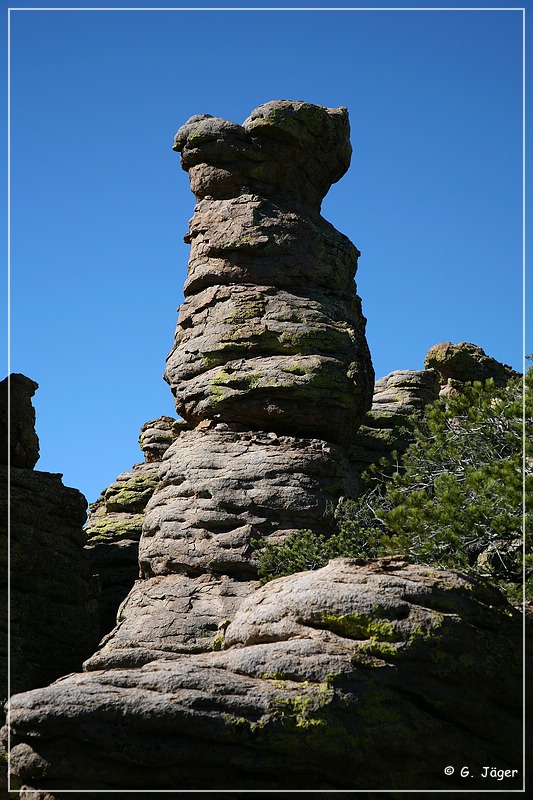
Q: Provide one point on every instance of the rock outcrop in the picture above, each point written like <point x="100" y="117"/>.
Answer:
<point x="361" y="675"/>
<point x="270" y="371"/>
<point x="16" y="392"/>
<point x="53" y="595"/>
<point x="387" y="427"/>
<point x="115" y="521"/>
<point x="256" y="458"/>
<point x="357" y="676"/>
<point x="464" y="362"/>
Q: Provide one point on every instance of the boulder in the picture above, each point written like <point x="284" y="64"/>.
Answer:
<point x="465" y="362"/>
<point x="361" y="675"/>
<point x="286" y="150"/>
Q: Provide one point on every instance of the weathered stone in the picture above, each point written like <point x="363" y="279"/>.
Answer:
<point x="16" y="392"/>
<point x="53" y="595"/>
<point x="361" y="675"/>
<point x="220" y="488"/>
<point x="115" y="521"/>
<point x="285" y="150"/>
<point x="387" y="428"/>
<point x="157" y="435"/>
<point x="464" y="362"/>
<point x="271" y="334"/>
<point x="251" y="240"/>
<point x="168" y="615"/>
<point x="271" y="360"/>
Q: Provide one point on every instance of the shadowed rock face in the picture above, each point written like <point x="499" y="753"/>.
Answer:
<point x="115" y="521"/>
<point x="53" y="601"/>
<point x="16" y="393"/>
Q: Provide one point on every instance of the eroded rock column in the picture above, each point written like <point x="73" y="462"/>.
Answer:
<point x="358" y="676"/>
<point x="270" y="370"/>
<point x="270" y="363"/>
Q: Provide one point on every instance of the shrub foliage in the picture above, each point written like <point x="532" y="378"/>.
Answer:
<point x="457" y="499"/>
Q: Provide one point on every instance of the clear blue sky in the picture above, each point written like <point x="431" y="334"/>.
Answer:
<point x="99" y="203"/>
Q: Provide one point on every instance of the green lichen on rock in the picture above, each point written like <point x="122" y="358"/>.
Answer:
<point x="252" y="308"/>
<point x="114" y="527"/>
<point x="359" y="626"/>
<point x="308" y="709"/>
<point x="131" y="494"/>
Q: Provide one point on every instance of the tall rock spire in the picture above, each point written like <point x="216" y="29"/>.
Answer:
<point x="270" y="364"/>
<point x="209" y="681"/>
<point x="271" y="333"/>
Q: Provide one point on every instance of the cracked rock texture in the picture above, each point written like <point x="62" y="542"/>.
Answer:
<point x="53" y="595"/>
<point x="356" y="676"/>
<point x="115" y="521"/>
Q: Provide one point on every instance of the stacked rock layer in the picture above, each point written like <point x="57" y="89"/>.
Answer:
<point x="115" y="521"/>
<point x="270" y="361"/>
<point x="270" y="371"/>
<point x="357" y="676"/>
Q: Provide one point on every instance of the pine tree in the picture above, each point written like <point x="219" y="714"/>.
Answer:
<point x="457" y="499"/>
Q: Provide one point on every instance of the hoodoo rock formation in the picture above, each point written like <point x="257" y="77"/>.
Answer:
<point x="271" y="334"/>
<point x="361" y="675"/>
<point x="270" y="361"/>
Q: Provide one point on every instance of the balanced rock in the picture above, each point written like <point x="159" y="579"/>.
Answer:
<point x="271" y="333"/>
<point x="357" y="676"/>
<point x="465" y="362"/>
